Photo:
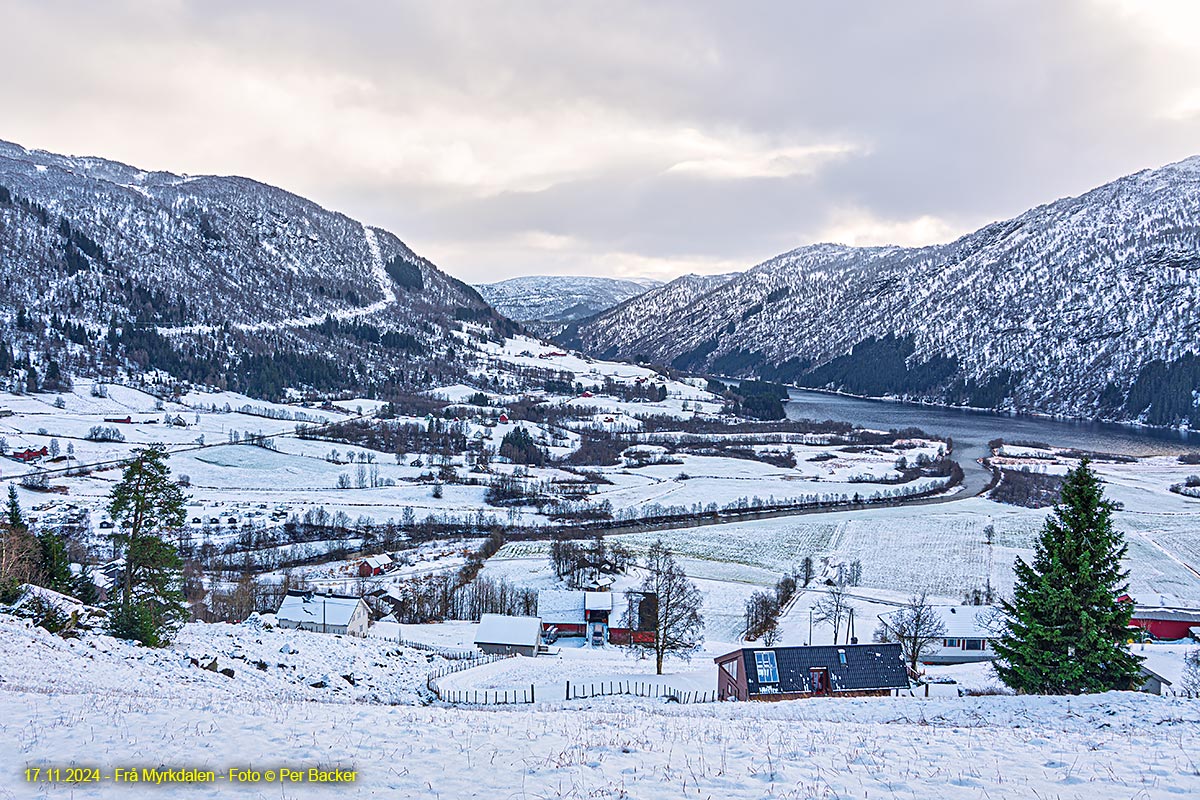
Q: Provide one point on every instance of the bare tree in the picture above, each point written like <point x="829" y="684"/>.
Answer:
<point x="832" y="608"/>
<point x="678" y="625"/>
<point x="1191" y="671"/>
<point x="917" y="627"/>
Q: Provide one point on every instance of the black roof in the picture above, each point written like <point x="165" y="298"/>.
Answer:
<point x="868" y="666"/>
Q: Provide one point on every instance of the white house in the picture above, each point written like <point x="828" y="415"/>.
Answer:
<point x="969" y="631"/>
<point x="324" y="613"/>
<point x="498" y="633"/>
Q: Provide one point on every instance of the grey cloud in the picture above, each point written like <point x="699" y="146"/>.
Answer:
<point x="467" y="127"/>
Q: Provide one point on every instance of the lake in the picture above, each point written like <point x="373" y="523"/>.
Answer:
<point x="971" y="430"/>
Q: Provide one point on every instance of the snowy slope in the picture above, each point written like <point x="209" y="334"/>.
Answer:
<point x="196" y="275"/>
<point x="121" y="706"/>
<point x="551" y="301"/>
<point x="1057" y="310"/>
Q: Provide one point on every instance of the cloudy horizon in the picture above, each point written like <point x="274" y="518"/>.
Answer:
<point x="622" y="140"/>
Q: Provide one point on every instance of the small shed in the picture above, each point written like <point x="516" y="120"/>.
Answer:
<point x="324" y="613"/>
<point x="502" y="634"/>
<point x="1151" y="681"/>
<point x="787" y="673"/>
<point x="374" y="565"/>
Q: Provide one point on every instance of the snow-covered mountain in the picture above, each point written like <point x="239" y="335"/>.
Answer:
<point x="1087" y="306"/>
<point x="548" y="302"/>
<point x="222" y="280"/>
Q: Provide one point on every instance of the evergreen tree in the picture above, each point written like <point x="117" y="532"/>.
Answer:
<point x="54" y="567"/>
<point x="147" y="603"/>
<point x="18" y="550"/>
<point x="12" y="510"/>
<point x="1066" y="626"/>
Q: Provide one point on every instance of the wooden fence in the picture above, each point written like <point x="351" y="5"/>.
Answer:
<point x="448" y="653"/>
<point x="574" y="691"/>
<point x="495" y="697"/>
<point x="431" y="680"/>
<point x="585" y="691"/>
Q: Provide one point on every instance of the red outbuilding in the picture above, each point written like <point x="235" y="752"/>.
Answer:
<point x="1167" y="623"/>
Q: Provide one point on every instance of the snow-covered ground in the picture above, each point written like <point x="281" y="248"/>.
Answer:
<point x="112" y="705"/>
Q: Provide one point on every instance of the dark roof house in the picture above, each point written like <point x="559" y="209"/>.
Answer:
<point x="785" y="673"/>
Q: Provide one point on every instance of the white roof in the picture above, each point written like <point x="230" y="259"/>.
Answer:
<point x="965" y="622"/>
<point x="317" y="609"/>
<point x="968" y="622"/>
<point x="598" y="601"/>
<point x="379" y="561"/>
<point x="560" y="605"/>
<point x="499" y="629"/>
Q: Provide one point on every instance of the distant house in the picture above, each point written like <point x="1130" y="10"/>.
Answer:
<point x="788" y="673"/>
<point x="968" y="634"/>
<point x="120" y="420"/>
<point x="502" y="634"/>
<point x="571" y="613"/>
<point x="374" y="565"/>
<point x="1168" y="624"/>
<point x="30" y="454"/>
<point x="324" y="613"/>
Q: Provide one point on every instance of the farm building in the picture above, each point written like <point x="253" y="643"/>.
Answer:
<point x="1168" y="624"/>
<point x="571" y="613"/>
<point x="968" y="633"/>
<point x="374" y="565"/>
<point x="501" y="634"/>
<point x="30" y="454"/>
<point x="788" y="673"/>
<point x="1151" y="682"/>
<point x="324" y="613"/>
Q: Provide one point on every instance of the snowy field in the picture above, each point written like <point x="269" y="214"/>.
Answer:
<point x="114" y="705"/>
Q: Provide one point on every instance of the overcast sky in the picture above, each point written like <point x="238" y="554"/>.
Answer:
<point x="644" y="139"/>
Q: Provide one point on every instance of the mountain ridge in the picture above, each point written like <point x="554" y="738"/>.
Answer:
<point x="1060" y="310"/>
<point x="221" y="280"/>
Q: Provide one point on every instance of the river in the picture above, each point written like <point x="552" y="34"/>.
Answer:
<point x="971" y="430"/>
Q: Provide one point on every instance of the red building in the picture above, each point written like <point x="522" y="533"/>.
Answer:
<point x="375" y="565"/>
<point x="30" y="454"/>
<point x="569" y="613"/>
<point x="1167" y="623"/>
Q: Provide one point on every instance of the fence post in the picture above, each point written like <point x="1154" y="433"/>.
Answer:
<point x="532" y="697"/>
<point x="568" y="695"/>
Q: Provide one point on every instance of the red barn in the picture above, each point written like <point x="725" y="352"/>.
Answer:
<point x="1167" y="623"/>
<point x="120" y="420"/>
<point x="30" y="454"/>
<point x="375" y="565"/>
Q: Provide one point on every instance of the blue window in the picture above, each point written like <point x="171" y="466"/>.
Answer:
<point x="842" y="657"/>
<point x="951" y="643"/>
<point x="768" y="671"/>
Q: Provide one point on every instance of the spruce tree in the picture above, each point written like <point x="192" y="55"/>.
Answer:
<point x="12" y="510"/>
<point x="85" y="587"/>
<point x="147" y="603"/>
<point x="1066" y="626"/>
<point x="55" y="566"/>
